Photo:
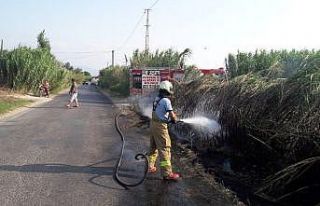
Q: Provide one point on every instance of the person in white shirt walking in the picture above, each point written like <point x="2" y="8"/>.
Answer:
<point x="74" y="94"/>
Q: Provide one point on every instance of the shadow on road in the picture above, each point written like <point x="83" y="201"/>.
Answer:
<point x="64" y="168"/>
<point x="95" y="102"/>
<point x="58" y="168"/>
<point x="82" y="105"/>
<point x="47" y="107"/>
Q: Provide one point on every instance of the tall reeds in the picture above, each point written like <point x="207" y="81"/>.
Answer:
<point x="25" y="68"/>
<point x="270" y="112"/>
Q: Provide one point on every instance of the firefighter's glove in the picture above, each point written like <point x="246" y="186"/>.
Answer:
<point x="173" y="121"/>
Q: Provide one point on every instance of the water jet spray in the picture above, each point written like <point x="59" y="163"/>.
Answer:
<point x="203" y="122"/>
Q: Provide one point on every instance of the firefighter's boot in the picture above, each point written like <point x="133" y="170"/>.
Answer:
<point x="172" y="176"/>
<point x="152" y="170"/>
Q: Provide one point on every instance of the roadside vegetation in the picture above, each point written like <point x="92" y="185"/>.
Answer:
<point x="117" y="79"/>
<point x="268" y="108"/>
<point x="269" y="112"/>
<point x="166" y="58"/>
<point x="10" y="103"/>
<point x="272" y="64"/>
<point x="23" y="69"/>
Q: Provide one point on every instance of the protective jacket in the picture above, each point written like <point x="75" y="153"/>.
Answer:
<point x="160" y="142"/>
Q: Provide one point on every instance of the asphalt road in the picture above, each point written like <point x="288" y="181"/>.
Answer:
<point x="51" y="155"/>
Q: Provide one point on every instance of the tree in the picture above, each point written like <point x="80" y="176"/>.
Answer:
<point x="68" y="66"/>
<point x="166" y="58"/>
<point x="232" y="66"/>
<point x="182" y="56"/>
<point x="43" y="42"/>
<point x="87" y="73"/>
<point x="78" y="70"/>
<point x="115" y="79"/>
<point x="191" y="73"/>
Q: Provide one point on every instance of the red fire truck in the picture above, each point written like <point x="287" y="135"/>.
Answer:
<point x="143" y="81"/>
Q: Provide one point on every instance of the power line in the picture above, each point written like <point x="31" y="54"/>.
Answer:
<point x="132" y="32"/>
<point x="136" y="26"/>
<point x="154" y="4"/>
<point x="82" y="52"/>
<point x="90" y="54"/>
<point x="81" y="58"/>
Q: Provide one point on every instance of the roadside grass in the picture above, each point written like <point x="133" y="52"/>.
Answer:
<point x="113" y="94"/>
<point x="10" y="103"/>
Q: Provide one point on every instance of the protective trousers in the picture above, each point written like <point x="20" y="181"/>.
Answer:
<point x="160" y="143"/>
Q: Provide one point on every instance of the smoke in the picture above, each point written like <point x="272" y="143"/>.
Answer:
<point x="147" y="111"/>
<point x="145" y="105"/>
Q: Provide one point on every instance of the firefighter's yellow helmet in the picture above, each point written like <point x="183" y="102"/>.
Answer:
<point x="166" y="85"/>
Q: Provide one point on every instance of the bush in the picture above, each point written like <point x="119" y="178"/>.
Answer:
<point x="115" y="79"/>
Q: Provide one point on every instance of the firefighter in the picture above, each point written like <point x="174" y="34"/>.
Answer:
<point x="160" y="142"/>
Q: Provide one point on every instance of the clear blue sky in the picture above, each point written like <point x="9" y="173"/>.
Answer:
<point x="83" y="32"/>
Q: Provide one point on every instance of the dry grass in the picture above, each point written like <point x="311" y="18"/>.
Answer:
<point x="266" y="120"/>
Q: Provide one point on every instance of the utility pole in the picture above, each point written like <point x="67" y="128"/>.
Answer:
<point x="112" y="58"/>
<point x="226" y="71"/>
<point x="147" y="31"/>
<point x="125" y="57"/>
<point x="1" y="48"/>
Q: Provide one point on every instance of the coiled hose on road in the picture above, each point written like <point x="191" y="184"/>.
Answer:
<point x="139" y="156"/>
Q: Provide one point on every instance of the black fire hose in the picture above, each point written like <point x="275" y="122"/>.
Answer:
<point x="137" y="157"/>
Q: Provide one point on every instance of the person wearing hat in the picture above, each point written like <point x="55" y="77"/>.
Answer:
<point x="160" y="142"/>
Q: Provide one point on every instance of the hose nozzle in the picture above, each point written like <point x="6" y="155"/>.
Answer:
<point x="176" y="122"/>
